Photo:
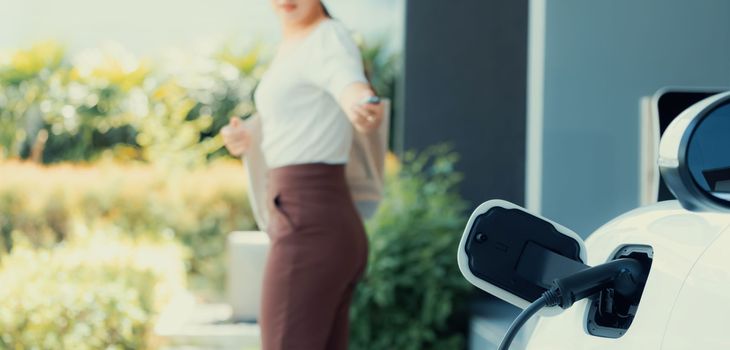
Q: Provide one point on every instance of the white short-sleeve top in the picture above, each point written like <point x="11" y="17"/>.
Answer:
<point x="297" y="98"/>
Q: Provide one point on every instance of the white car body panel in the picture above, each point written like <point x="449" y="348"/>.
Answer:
<point x="686" y="301"/>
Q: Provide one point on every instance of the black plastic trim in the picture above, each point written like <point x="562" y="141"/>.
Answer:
<point x="501" y="238"/>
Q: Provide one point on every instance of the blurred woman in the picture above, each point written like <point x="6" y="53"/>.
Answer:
<point x="314" y="91"/>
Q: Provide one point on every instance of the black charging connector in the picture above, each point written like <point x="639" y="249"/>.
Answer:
<point x="610" y="314"/>
<point x="624" y="276"/>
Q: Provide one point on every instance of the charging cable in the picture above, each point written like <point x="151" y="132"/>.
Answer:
<point x="623" y="275"/>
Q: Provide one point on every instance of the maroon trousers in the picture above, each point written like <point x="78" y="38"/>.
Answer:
<point x="318" y="253"/>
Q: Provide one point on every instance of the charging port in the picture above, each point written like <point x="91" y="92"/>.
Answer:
<point x="610" y="314"/>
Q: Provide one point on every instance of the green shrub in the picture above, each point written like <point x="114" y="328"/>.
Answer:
<point x="413" y="289"/>
<point x="103" y="293"/>
<point x="45" y="205"/>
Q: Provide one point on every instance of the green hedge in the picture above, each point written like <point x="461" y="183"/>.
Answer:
<point x="47" y="205"/>
<point x="413" y="295"/>
<point x="90" y="294"/>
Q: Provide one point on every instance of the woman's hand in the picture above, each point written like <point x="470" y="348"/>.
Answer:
<point x="366" y="117"/>
<point x="236" y="137"/>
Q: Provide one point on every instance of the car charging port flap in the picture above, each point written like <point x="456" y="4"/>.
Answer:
<point x="610" y="314"/>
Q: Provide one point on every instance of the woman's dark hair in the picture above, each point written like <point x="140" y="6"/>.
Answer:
<point x="326" y="12"/>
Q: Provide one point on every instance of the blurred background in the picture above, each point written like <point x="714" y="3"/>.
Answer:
<point x="118" y="204"/>
<point x="149" y="27"/>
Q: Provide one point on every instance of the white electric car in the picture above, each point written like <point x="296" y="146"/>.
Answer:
<point x="657" y="277"/>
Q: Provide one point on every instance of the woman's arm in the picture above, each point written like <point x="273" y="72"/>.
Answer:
<point x="366" y="117"/>
<point x="337" y="67"/>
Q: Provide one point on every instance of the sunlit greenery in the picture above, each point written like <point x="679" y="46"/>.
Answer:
<point x="96" y="292"/>
<point x="107" y="101"/>
<point x="46" y="206"/>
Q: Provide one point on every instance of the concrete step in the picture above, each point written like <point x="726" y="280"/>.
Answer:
<point x="186" y="324"/>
